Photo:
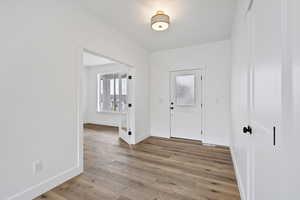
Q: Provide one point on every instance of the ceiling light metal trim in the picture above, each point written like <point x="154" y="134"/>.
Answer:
<point x="160" y="21"/>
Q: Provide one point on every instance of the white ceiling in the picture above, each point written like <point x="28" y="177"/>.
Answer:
<point x="90" y="59"/>
<point x="192" y="21"/>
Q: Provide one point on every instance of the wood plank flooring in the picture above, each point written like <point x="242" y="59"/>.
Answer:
<point x="155" y="169"/>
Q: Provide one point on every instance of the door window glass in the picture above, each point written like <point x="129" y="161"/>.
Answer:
<point x="111" y="92"/>
<point x="185" y="90"/>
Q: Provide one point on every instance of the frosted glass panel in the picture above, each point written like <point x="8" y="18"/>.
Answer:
<point x="185" y="90"/>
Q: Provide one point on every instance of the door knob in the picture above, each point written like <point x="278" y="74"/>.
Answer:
<point x="247" y="129"/>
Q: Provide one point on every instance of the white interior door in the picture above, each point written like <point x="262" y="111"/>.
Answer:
<point x="266" y="98"/>
<point x="126" y="125"/>
<point x="186" y="104"/>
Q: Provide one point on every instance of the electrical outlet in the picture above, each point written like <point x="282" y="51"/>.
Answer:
<point x="37" y="166"/>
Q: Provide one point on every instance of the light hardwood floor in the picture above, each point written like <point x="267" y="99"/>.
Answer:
<point x="155" y="169"/>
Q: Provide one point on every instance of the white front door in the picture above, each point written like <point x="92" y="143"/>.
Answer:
<point x="186" y="104"/>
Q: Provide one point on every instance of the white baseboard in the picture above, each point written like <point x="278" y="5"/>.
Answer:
<point x="214" y="142"/>
<point x="238" y="175"/>
<point x="160" y="135"/>
<point x="44" y="186"/>
<point x="114" y="124"/>
<point x="139" y="139"/>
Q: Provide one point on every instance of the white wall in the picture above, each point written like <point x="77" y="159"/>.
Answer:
<point x="41" y="43"/>
<point x="216" y="59"/>
<point x="92" y="116"/>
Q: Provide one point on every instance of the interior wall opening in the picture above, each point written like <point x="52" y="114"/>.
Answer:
<point x="106" y="94"/>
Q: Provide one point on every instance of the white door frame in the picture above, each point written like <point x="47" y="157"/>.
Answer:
<point x="203" y="92"/>
<point x="80" y="157"/>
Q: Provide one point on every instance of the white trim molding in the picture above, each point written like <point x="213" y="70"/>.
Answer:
<point x="238" y="175"/>
<point x="48" y="184"/>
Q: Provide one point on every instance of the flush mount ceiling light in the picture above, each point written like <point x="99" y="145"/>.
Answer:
<point x="160" y="21"/>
